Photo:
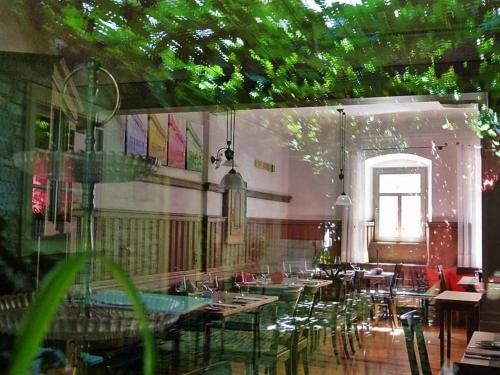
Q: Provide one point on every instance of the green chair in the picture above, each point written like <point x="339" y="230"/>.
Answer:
<point x="412" y="328"/>
<point x="330" y="317"/>
<point x="219" y="368"/>
<point x="387" y="298"/>
<point x="275" y="337"/>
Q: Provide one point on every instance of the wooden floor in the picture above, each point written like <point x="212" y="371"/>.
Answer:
<point x="383" y="353"/>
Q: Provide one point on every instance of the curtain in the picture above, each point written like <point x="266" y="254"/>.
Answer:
<point x="354" y="247"/>
<point x="469" y="205"/>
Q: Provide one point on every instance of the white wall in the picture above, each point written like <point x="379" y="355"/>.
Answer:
<point x="418" y="132"/>
<point x="141" y="196"/>
<point x="312" y="194"/>
<point x="252" y="142"/>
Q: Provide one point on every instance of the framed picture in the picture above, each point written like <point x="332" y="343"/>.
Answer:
<point x="136" y="136"/>
<point x="234" y="208"/>
<point x="176" y="142"/>
<point x="157" y="139"/>
<point x="194" y="148"/>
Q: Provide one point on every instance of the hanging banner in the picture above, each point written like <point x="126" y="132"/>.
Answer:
<point x="157" y="139"/>
<point x="137" y="136"/>
<point x="194" y="149"/>
<point x="176" y="142"/>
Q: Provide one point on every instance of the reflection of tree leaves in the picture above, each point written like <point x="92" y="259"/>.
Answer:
<point x="284" y="50"/>
<point x="268" y="52"/>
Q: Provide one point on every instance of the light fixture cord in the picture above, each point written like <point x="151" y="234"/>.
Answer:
<point x="343" y="151"/>
<point x="342" y="147"/>
<point x="340" y="140"/>
<point x="233" y="131"/>
<point x="227" y="125"/>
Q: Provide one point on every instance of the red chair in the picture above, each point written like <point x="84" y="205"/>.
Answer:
<point x="276" y="277"/>
<point x="245" y="277"/>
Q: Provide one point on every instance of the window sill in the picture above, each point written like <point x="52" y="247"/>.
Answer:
<point x="399" y="242"/>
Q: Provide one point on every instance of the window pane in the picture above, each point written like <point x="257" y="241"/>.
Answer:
<point x="411" y="218"/>
<point x="388" y="217"/>
<point x="400" y="183"/>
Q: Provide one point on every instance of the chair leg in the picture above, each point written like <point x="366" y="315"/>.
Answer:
<point x="305" y="361"/>
<point x="394" y="313"/>
<point x="335" y="345"/>
<point x="356" y="332"/>
<point x="288" y="367"/>
<point x="351" y="342"/>
<point x="343" y="335"/>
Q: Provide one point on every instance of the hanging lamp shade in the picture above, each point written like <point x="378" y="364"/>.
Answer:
<point x="343" y="200"/>
<point x="233" y="180"/>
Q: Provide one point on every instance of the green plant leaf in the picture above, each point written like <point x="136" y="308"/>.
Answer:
<point x="54" y="287"/>
<point x="36" y="321"/>
<point x="133" y="294"/>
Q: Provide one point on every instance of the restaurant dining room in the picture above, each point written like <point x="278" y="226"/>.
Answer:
<point x="249" y="187"/>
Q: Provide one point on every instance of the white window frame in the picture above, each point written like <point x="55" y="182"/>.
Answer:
<point x="422" y="171"/>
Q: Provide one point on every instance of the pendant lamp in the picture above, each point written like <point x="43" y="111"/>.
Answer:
<point x="232" y="180"/>
<point x="343" y="199"/>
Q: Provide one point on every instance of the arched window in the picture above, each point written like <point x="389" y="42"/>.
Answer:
<point x="400" y="193"/>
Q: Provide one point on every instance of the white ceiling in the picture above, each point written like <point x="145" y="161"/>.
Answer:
<point x="375" y="119"/>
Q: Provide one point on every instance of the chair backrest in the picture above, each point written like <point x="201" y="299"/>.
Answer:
<point x="289" y="300"/>
<point x="356" y="282"/>
<point x="442" y="279"/>
<point x="412" y="328"/>
<point x="307" y="301"/>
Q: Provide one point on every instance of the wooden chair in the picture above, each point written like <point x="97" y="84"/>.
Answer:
<point x="412" y="328"/>
<point x="443" y="285"/>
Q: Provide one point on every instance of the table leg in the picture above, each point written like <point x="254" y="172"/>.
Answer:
<point x="223" y="327"/>
<point x="206" y="350"/>
<point x="425" y="306"/>
<point x="442" y="317"/>
<point x="471" y="320"/>
<point x="448" y="335"/>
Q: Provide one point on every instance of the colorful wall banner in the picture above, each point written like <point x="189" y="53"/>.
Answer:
<point x="194" y="150"/>
<point x="137" y="136"/>
<point x="157" y="139"/>
<point x="176" y="142"/>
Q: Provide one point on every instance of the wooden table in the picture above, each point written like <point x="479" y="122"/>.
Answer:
<point x="424" y="297"/>
<point x="315" y="283"/>
<point x="449" y="301"/>
<point x="473" y="354"/>
<point x="471" y="284"/>
<point x="377" y="279"/>
<point x="234" y="303"/>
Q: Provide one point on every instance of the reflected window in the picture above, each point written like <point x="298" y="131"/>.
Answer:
<point x="399" y="203"/>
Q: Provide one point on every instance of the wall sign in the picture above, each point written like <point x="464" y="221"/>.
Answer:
<point x="265" y="166"/>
